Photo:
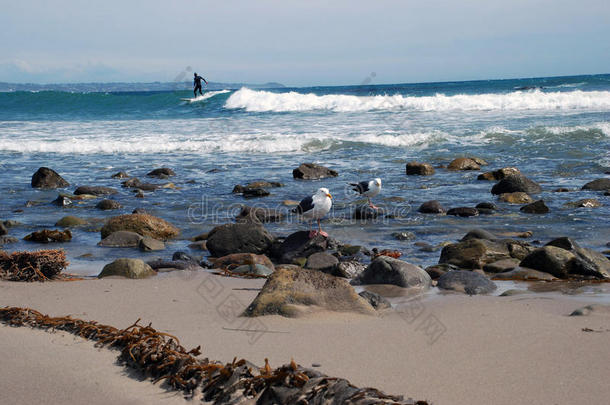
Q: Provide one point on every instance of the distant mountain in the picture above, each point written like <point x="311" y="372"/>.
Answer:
<point x="154" y="86"/>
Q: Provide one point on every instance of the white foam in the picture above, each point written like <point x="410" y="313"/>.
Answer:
<point x="263" y="101"/>
<point x="205" y="96"/>
<point x="604" y="127"/>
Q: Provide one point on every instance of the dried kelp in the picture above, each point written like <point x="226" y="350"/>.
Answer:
<point x="160" y="356"/>
<point x="40" y="265"/>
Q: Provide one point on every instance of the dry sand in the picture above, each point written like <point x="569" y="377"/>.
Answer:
<point x="447" y="349"/>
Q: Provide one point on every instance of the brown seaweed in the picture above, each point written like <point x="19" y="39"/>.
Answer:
<point x="40" y="265"/>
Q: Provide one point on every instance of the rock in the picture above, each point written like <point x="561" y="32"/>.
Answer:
<point x="95" y="190"/>
<point x="143" y="224"/>
<point x="239" y="259"/>
<point x="552" y="260"/>
<point x="463" y="212"/>
<point x="501" y="266"/>
<point x="183" y="256"/>
<point x="62" y="201"/>
<point x="376" y="300"/>
<point x="259" y="214"/>
<point x="387" y="270"/>
<point x="403" y="235"/>
<point x="469" y="282"/>
<point x="108" y="205"/>
<point x="49" y="235"/>
<point x="69" y="221"/>
<point x="165" y="266"/>
<point x="238" y="238"/>
<point x="139" y="194"/>
<point x="322" y="261"/>
<point x="475" y="253"/>
<point x="463" y="164"/>
<point x="121" y="239"/>
<point x="524" y="274"/>
<point x="516" y="198"/>
<point x="499" y="174"/>
<point x="131" y="183"/>
<point x="3" y="230"/>
<point x="597" y="185"/>
<point x="348" y="269"/>
<point x="479" y="234"/>
<point x="129" y="268"/>
<point x="438" y="270"/>
<point x="487" y="206"/>
<point x="562" y="190"/>
<point x="512" y="292"/>
<point x="10" y="223"/>
<point x="585" y="203"/>
<point x="48" y="178"/>
<point x="537" y="207"/>
<point x="120" y="175"/>
<point x="5" y="240"/>
<point x="255" y="192"/>
<point x="589" y="263"/>
<point x="253" y="269"/>
<point x="366" y="212"/>
<point x="200" y="237"/>
<point x="312" y="171"/>
<point x="291" y="292"/>
<point x="263" y="184"/>
<point x="478" y="160"/>
<point x="516" y="183"/>
<point x="431" y="207"/>
<point x="589" y="309"/>
<point x="161" y="173"/>
<point x="299" y="244"/>
<point x="148" y="244"/>
<point x="421" y="169"/>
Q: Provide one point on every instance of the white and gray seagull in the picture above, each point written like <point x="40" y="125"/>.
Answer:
<point x="369" y="189"/>
<point x="315" y="207"/>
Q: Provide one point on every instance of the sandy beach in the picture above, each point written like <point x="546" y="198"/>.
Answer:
<point x="490" y="350"/>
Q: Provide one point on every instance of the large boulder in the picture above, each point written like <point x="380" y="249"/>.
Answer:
<point x="421" y="169"/>
<point x="590" y="262"/>
<point x="469" y="282"/>
<point x="48" y="178"/>
<point x="122" y="239"/>
<point x="499" y="174"/>
<point x="312" y="171"/>
<point x="143" y="224"/>
<point x="551" y="259"/>
<point x="108" y="205"/>
<point x="129" y="268"/>
<point x="597" y="185"/>
<point x="322" y="261"/>
<point x="475" y="253"/>
<point x="464" y="163"/>
<point x="235" y="260"/>
<point x="516" y="183"/>
<point x="299" y="244"/>
<point x="291" y="291"/>
<point x="95" y="190"/>
<point x="387" y="270"/>
<point x="238" y="238"/>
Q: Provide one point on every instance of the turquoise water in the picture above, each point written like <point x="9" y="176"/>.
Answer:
<point x="556" y="130"/>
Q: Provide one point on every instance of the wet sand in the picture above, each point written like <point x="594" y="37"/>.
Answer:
<point x="450" y="349"/>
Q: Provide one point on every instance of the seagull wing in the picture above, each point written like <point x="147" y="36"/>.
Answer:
<point x="361" y="187"/>
<point x="305" y="205"/>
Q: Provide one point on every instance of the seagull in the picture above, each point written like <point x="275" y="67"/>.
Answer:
<point x="368" y="189"/>
<point x="315" y="207"/>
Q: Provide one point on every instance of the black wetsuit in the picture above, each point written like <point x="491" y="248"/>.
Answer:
<point x="197" y="82"/>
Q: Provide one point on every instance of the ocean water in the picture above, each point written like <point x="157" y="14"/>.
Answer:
<point x="555" y="130"/>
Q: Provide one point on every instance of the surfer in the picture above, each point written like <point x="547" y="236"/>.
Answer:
<point x="197" y="83"/>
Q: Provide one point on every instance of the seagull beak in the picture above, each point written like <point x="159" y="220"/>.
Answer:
<point x="329" y="196"/>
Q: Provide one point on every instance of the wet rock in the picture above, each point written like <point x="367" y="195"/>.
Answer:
<point x="588" y="263"/>
<point x="129" y="268"/>
<point x="463" y="163"/>
<point x="516" y="183"/>
<point x="299" y="244"/>
<point x="469" y="282"/>
<point x="152" y="187"/>
<point x="376" y="300"/>
<point x="201" y="236"/>
<point x="10" y="223"/>
<point x="253" y="270"/>
<point x="499" y="174"/>
<point x="501" y="266"/>
<point x="487" y="206"/>
<point x="590" y="309"/>
<point x="3" y="230"/>
<point x="5" y="240"/>
<point x="387" y="270"/>
<point x="438" y="270"/>
<point x="95" y="190"/>
<point x="597" y="185"/>
<point x="122" y="239"/>
<point x="516" y="198"/>
<point x="148" y="244"/>
<point x="348" y="269"/>
<point x="70" y="221"/>
<point x="463" y="212"/>
<point x="165" y="266"/>
<point x="49" y="236"/>
<point x="239" y="259"/>
<point x="120" y="175"/>
<point x="322" y="261"/>
<point x="139" y="194"/>
<point x="259" y="214"/>
<point x="62" y="201"/>
<point x="478" y="160"/>
<point x="143" y="224"/>
<point x="475" y="253"/>
<point x="431" y="207"/>
<point x="585" y="203"/>
<point x="108" y="205"/>
<point x="183" y="256"/>
<point x="263" y="184"/>
<point x="537" y="207"/>
<point x="562" y="190"/>
<point x="421" y="169"/>
<point x="131" y="183"/>
<point x="161" y="173"/>
<point x="524" y="274"/>
<point x="48" y="178"/>
<point x="255" y="192"/>
<point x="312" y="171"/>
<point x="479" y="234"/>
<point x="291" y="292"/>
<point x="512" y="292"/>
<point x="403" y="235"/>
<point x="552" y="260"/>
<point x="238" y="238"/>
<point x="366" y="212"/>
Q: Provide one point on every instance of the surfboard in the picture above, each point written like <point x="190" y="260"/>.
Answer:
<point x="205" y="96"/>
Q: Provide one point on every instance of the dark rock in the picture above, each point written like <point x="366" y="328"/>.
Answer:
<point x="422" y="169"/>
<point x="403" y="235"/>
<point x="479" y="234"/>
<point x="475" y="253"/>
<point x="550" y="259"/>
<point x="463" y="212"/>
<point x="238" y="189"/>
<point x="438" y="270"/>
<point x="524" y="274"/>
<point x="129" y="268"/>
<point x="588" y="263"/>
<point x="122" y="239"/>
<point x="299" y="244"/>
<point x="238" y="238"/>
<point x="120" y="175"/>
<point x="131" y="183"/>
<point x="259" y="214"/>
<point x="62" y="201"/>
<point x="164" y="266"/>
<point x="183" y="256"/>
<point x="312" y="171"/>
<point x="108" y="205"/>
<point x="161" y="173"/>
<point x="485" y="211"/>
<point x="10" y="223"/>
<point x="255" y="192"/>
<point x="291" y="292"/>
<point x="516" y="198"/>
<point x="562" y="190"/>
<point x="366" y="212"/>
<point x="69" y="221"/>
<point x="239" y="259"/>
<point x="3" y="230"/>
<point x="263" y="184"/>
<point x="597" y="185"/>
<point x="387" y="270"/>
<point x="143" y="224"/>
<point x="499" y="174"/>
<point x="469" y="282"/>
<point x="49" y="235"/>
<point x="95" y="190"/>
<point x="501" y="266"/>
<point x="431" y="207"/>
<point x="487" y="206"/>
<point x="516" y="183"/>
<point x="376" y="300"/>
<point x="463" y="164"/>
<point x="140" y="211"/>
<point x="148" y="244"/>
<point x="537" y="207"/>
<point x="322" y="261"/>
<point x="48" y="178"/>
<point x="149" y="186"/>
<point x="585" y="203"/>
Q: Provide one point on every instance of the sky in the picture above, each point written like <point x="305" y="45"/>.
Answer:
<point x="301" y="43"/>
